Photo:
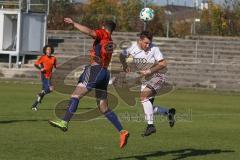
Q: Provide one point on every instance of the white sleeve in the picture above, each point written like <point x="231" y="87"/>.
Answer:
<point x="158" y="56"/>
<point x="128" y="51"/>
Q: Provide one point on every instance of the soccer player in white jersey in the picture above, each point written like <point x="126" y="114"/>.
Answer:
<point x="151" y="65"/>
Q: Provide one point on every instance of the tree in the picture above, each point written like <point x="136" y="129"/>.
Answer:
<point x="99" y="10"/>
<point x="216" y="19"/>
<point x="181" y="29"/>
<point x="157" y="25"/>
<point x="58" y="10"/>
<point x="129" y="15"/>
<point x="230" y="17"/>
<point x="236" y="18"/>
<point x="205" y="23"/>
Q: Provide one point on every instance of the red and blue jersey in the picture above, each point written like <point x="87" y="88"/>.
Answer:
<point x="102" y="50"/>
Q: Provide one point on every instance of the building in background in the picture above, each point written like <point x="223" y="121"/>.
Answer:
<point x="204" y="5"/>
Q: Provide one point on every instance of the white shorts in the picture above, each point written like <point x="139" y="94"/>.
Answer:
<point x="155" y="83"/>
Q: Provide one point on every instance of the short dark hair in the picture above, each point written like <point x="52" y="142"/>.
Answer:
<point x="45" y="48"/>
<point x="109" y="25"/>
<point x="146" y="34"/>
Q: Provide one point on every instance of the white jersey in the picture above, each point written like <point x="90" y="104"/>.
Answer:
<point x="144" y="59"/>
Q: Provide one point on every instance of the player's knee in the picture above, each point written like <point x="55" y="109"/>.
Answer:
<point x="144" y="98"/>
<point x="75" y="96"/>
<point x="103" y="107"/>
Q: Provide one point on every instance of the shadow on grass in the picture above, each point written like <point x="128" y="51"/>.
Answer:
<point x="178" y="154"/>
<point x="22" y="120"/>
<point x="63" y="109"/>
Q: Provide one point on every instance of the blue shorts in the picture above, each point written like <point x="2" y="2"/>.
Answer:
<point x="96" y="77"/>
<point x="46" y="83"/>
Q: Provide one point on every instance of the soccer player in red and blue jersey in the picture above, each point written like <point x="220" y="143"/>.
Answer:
<point x="95" y="76"/>
<point x="45" y="64"/>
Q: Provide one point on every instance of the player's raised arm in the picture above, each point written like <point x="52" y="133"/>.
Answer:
<point x="122" y="57"/>
<point x="81" y="28"/>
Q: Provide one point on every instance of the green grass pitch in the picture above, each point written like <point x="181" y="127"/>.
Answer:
<point x="207" y="128"/>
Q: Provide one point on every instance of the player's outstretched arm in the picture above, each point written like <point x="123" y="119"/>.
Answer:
<point x="81" y="28"/>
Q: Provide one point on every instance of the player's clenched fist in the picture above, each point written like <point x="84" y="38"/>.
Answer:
<point x="68" y="20"/>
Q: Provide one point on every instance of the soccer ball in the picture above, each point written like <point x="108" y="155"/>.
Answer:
<point x="146" y="14"/>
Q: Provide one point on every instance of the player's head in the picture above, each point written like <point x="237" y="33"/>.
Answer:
<point x="48" y="50"/>
<point x="109" y="25"/>
<point x="145" y="40"/>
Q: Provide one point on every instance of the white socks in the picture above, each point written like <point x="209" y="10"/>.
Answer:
<point x="148" y="110"/>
